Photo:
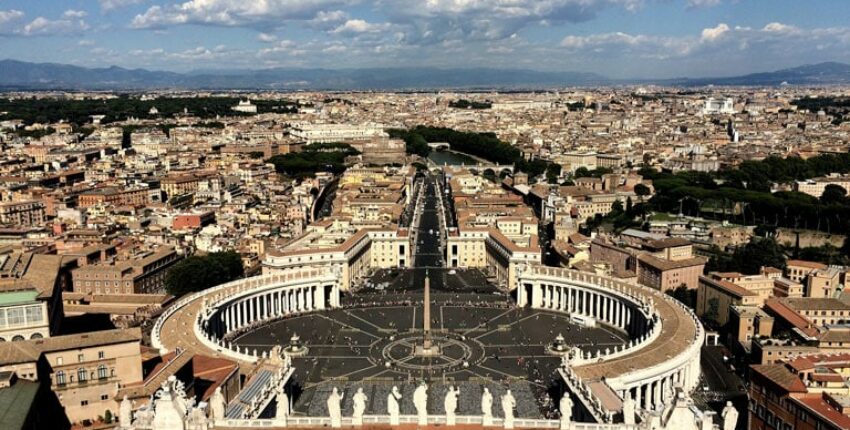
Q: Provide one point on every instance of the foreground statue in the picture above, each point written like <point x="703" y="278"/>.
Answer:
<point x="451" y="405"/>
<point x="392" y="406"/>
<point x="282" y="412"/>
<point x="487" y="407"/>
<point x="359" y="399"/>
<point x="335" y="408"/>
<point x="730" y="416"/>
<point x="420" y="401"/>
<point x="125" y="414"/>
<point x="566" y="409"/>
<point x="217" y="405"/>
<point x="508" y="405"/>
<point x="629" y="408"/>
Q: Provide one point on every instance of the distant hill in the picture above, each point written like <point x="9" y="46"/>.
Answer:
<point x="828" y="73"/>
<point x="23" y="75"/>
<point x="19" y="75"/>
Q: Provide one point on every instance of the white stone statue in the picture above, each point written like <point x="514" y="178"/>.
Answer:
<point x="450" y="404"/>
<point x="487" y="407"/>
<point x="359" y="399"/>
<point x="143" y="418"/>
<point x="629" y="407"/>
<point x="167" y="408"/>
<point x="125" y="414"/>
<point x="335" y="408"/>
<point x="730" y="416"/>
<point x="217" y="405"/>
<point x="282" y="411"/>
<point x="566" y="409"/>
<point x="508" y="405"/>
<point x="420" y="401"/>
<point x="392" y="406"/>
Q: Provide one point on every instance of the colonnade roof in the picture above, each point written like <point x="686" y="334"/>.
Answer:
<point x="678" y="332"/>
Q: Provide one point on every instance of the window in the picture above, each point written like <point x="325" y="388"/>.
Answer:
<point x="60" y="378"/>
<point x="34" y="313"/>
<point x="104" y="397"/>
<point x="84" y="403"/>
<point x="101" y="372"/>
<point x="101" y="355"/>
<point x="59" y="361"/>
<point x="80" y="358"/>
<point x="15" y="316"/>
<point x="82" y="376"/>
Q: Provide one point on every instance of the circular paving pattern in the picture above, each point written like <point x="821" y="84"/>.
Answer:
<point x="482" y="339"/>
<point x="455" y="352"/>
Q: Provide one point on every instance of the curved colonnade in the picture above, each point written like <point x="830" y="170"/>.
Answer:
<point x="664" y="352"/>
<point x="223" y="311"/>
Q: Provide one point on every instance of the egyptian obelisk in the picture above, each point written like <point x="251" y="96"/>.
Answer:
<point x="427" y="347"/>
<point x="426" y="342"/>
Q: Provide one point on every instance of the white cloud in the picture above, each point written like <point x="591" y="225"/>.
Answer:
<point x="357" y="26"/>
<point x="42" y="26"/>
<point x="703" y="3"/>
<point x="85" y="42"/>
<point x="778" y="27"/>
<point x="716" y="51"/>
<point x="714" y="33"/>
<point x="108" y="5"/>
<point x="231" y="12"/>
<point x="74" y="14"/>
<point x="327" y="20"/>
<point x="266" y="37"/>
<point x="433" y="21"/>
<point x="11" y="15"/>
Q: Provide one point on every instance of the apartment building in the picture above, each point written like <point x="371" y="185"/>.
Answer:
<point x="142" y="274"/>
<point x="84" y="370"/>
<point x="26" y="213"/>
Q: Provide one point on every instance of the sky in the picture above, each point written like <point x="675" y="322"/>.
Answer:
<point x="614" y="38"/>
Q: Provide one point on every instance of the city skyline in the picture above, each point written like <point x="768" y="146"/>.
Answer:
<point x="615" y="38"/>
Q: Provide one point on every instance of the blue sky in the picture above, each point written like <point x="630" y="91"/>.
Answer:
<point x="616" y="38"/>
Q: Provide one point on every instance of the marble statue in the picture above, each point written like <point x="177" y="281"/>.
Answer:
<point x="217" y="405"/>
<point x="168" y="412"/>
<point x="487" y="407"/>
<point x="143" y="418"/>
<point x="508" y="405"/>
<point x="629" y="407"/>
<point x="359" y="399"/>
<point x="730" y="416"/>
<point x="566" y="409"/>
<point x="392" y="406"/>
<point x="451" y="405"/>
<point x="282" y="412"/>
<point x="125" y="414"/>
<point x="335" y="408"/>
<point x="420" y="401"/>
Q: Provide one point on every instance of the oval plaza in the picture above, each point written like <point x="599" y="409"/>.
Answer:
<point x="368" y="326"/>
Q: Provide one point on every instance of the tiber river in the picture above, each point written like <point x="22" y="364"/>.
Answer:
<point x="451" y="158"/>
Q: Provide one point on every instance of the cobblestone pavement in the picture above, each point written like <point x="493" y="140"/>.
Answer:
<point x="502" y="346"/>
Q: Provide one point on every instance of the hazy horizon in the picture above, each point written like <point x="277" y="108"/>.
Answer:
<point x="619" y="39"/>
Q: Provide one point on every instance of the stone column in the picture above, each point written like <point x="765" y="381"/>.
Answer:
<point x="544" y="294"/>
<point x="656" y="393"/>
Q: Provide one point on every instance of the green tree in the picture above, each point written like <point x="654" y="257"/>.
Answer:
<point x="197" y="273"/>
<point x="833" y="194"/>
<point x="107" y="417"/>
<point x="685" y="295"/>
<point x="642" y="190"/>
<point x="748" y="259"/>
